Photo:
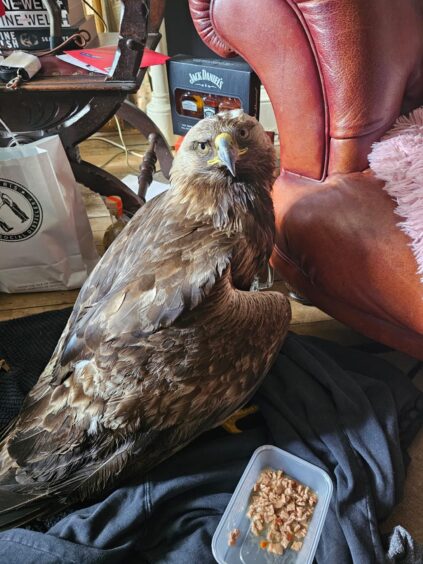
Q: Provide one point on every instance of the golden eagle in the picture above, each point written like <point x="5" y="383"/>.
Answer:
<point x="165" y="340"/>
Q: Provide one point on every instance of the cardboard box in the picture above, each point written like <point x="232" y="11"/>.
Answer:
<point x="228" y="84"/>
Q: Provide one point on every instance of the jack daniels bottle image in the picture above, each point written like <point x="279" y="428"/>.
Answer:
<point x="199" y="104"/>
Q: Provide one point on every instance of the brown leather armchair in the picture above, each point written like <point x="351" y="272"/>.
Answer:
<point x="338" y="74"/>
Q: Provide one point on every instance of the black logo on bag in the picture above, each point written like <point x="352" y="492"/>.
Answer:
<point x="20" y="212"/>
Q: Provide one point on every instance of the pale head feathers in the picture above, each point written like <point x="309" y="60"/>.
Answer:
<point x="206" y="186"/>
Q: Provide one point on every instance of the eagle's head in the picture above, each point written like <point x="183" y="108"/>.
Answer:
<point x="225" y="164"/>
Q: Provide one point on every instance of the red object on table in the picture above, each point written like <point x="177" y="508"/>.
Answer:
<point x="102" y="57"/>
<point x="178" y="142"/>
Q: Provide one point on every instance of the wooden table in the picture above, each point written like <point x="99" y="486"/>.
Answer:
<point x="75" y="103"/>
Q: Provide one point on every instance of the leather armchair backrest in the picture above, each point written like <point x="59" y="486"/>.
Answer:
<point x="338" y="72"/>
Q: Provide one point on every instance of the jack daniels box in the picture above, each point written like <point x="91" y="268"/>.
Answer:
<point x="203" y="87"/>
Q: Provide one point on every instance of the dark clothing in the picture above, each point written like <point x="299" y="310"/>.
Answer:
<point x="349" y="412"/>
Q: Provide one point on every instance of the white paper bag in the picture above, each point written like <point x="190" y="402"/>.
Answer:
<point x="46" y="241"/>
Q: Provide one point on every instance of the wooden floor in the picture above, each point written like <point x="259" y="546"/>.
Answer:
<point x="305" y="320"/>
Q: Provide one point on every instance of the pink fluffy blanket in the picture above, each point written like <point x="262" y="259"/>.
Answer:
<point x="398" y="160"/>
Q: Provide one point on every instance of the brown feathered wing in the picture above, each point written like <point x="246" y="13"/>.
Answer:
<point x="160" y="347"/>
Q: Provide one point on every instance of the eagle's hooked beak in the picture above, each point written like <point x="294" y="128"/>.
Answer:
<point x="227" y="152"/>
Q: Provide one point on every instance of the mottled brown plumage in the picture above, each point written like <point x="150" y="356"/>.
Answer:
<point x="165" y="341"/>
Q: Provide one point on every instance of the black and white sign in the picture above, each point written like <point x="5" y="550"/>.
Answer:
<point x="21" y="214"/>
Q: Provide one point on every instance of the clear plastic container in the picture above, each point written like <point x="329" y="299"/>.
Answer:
<point x="247" y="550"/>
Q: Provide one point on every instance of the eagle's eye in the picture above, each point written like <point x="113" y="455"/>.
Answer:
<point x="202" y="147"/>
<point x="243" y="133"/>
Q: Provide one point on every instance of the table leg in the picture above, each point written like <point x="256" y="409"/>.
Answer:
<point x="138" y="119"/>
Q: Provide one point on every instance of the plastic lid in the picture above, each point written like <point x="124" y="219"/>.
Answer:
<point x="114" y="204"/>
<point x="247" y="549"/>
<point x="178" y="142"/>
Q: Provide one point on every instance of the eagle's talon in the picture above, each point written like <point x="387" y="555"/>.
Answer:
<point x="230" y="425"/>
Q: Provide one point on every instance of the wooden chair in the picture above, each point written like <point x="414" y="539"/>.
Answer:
<point x="74" y="103"/>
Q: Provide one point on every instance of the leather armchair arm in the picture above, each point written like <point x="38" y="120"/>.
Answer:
<point x="271" y="38"/>
<point x="201" y="13"/>
<point x="338" y="73"/>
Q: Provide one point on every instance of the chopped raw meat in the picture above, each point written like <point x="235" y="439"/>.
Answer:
<point x="296" y="545"/>
<point x="280" y="511"/>
<point x="276" y="548"/>
<point x="233" y="537"/>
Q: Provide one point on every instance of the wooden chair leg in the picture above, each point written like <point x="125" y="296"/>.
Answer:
<point x="148" y="166"/>
<point x="138" y="119"/>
